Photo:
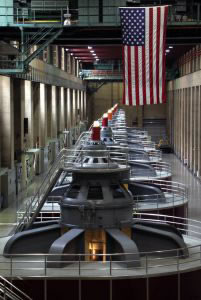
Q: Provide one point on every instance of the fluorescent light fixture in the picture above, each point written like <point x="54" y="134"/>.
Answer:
<point x="92" y="51"/>
<point x="170" y="47"/>
<point x="71" y="54"/>
<point x="94" y="54"/>
<point x="167" y="50"/>
<point x="67" y="49"/>
<point x="89" y="47"/>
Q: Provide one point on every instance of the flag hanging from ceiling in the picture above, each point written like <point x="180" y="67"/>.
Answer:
<point x="144" y="42"/>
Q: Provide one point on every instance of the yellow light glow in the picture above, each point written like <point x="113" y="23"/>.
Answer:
<point x="105" y="115"/>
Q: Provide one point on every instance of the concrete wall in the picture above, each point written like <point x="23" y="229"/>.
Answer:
<point x="184" y="119"/>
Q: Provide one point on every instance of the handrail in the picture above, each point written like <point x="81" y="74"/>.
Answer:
<point x="34" y="36"/>
<point x="174" y="192"/>
<point x="65" y="160"/>
<point x="48" y="31"/>
<point x="35" y="200"/>
<point x="170" y="260"/>
<point x="12" y="286"/>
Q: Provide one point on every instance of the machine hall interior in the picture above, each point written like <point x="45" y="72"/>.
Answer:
<point x="98" y="200"/>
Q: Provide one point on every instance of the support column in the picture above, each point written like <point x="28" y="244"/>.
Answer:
<point x="52" y="116"/>
<point x="50" y="54"/>
<point x="188" y="127"/>
<point x="62" y="53"/>
<point x="195" y="167"/>
<point x="85" y="105"/>
<point x="58" y="57"/>
<point x="6" y="122"/>
<point x="185" y="125"/>
<point x="78" y="111"/>
<point x="54" y="113"/>
<point x="41" y="127"/>
<point x="65" y="109"/>
<point x="199" y="132"/>
<point x="28" y="113"/>
<point x="191" y="129"/>
<point x="82" y="106"/>
<point x="43" y="115"/>
<point x="69" y="116"/>
<point x="182" y="124"/>
<point x="62" y="111"/>
<point x="28" y="134"/>
<point x="74" y="108"/>
<point x="179" y="123"/>
<point x="7" y="139"/>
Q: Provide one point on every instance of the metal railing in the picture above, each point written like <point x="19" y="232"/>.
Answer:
<point x="113" y="264"/>
<point x="102" y="74"/>
<point x="175" y="194"/>
<point x="11" y="64"/>
<point x="27" y="15"/>
<point x="66" y="160"/>
<point x="24" y="213"/>
<point x="153" y="156"/>
<point x="145" y="144"/>
<point x="10" y="291"/>
<point x="162" y="169"/>
<point x="13" y="15"/>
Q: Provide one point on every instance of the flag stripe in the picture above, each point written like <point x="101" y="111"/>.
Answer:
<point x="144" y="75"/>
<point x="133" y="75"/>
<point x="154" y="45"/>
<point x="161" y="57"/>
<point x="157" y="53"/>
<point x="129" y="76"/>
<point x="147" y="55"/>
<point x="141" y="100"/>
<point x="151" y="54"/>
<point x="136" y="75"/>
<point x="124" y="97"/>
<point x="164" y="46"/>
<point x="126" y="75"/>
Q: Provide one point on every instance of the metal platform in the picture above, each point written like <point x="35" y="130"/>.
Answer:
<point x="154" y="263"/>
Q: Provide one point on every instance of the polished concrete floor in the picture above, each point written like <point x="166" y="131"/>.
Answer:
<point x="179" y="171"/>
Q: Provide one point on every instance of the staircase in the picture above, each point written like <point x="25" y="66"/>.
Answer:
<point x="42" y="38"/>
<point x="64" y="162"/>
<point x="8" y="291"/>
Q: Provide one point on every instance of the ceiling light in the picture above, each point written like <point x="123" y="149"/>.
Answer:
<point x="92" y="51"/>
<point x="67" y="49"/>
<point x="167" y="50"/>
<point x="170" y="47"/>
<point x="89" y="47"/>
<point x="94" y="54"/>
<point x="71" y="54"/>
<point x="97" y="59"/>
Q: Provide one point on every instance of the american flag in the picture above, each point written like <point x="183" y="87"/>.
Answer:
<point x="144" y="36"/>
